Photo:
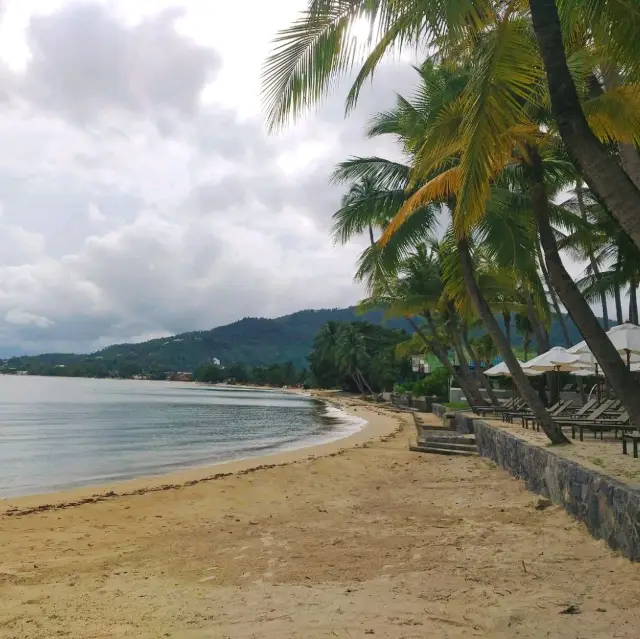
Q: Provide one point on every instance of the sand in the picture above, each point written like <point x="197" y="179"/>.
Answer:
<point x="358" y="541"/>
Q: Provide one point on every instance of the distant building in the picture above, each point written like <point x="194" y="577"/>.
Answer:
<point x="179" y="377"/>
<point x="216" y="362"/>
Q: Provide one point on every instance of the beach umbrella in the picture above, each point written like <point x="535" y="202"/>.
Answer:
<point x="626" y="339"/>
<point x="556" y="359"/>
<point x="501" y="370"/>
<point x="587" y="372"/>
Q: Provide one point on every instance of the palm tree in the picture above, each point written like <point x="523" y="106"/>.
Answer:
<point x="310" y="54"/>
<point x="414" y="292"/>
<point x="408" y="119"/>
<point x="605" y="176"/>
<point x="352" y="356"/>
<point x="613" y="259"/>
<point x="524" y="327"/>
<point x="476" y="134"/>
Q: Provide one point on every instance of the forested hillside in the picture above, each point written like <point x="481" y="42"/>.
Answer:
<point x="256" y="341"/>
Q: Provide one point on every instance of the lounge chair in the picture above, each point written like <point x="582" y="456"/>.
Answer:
<point x="512" y="404"/>
<point x="615" y="425"/>
<point x="555" y="411"/>
<point x="599" y="412"/>
<point x="525" y="410"/>
<point x="634" y="438"/>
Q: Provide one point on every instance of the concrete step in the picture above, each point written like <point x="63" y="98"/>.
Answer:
<point x="443" y="451"/>
<point x="452" y="439"/>
<point x="448" y="446"/>
<point x="436" y="429"/>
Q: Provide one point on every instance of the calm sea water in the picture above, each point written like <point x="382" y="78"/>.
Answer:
<point x="58" y="433"/>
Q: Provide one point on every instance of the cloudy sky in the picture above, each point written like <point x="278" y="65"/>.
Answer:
<point x="139" y="193"/>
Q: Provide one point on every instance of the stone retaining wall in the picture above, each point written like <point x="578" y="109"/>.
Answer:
<point x="439" y="409"/>
<point x="610" y="509"/>
<point x="462" y="423"/>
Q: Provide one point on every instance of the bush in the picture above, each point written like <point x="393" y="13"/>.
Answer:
<point x="457" y="405"/>
<point x="434" y="384"/>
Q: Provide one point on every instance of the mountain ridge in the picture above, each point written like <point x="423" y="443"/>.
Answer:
<point x="251" y="340"/>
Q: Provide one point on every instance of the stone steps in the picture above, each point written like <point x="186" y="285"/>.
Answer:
<point x="446" y="445"/>
<point x="443" y="451"/>
<point x="446" y="439"/>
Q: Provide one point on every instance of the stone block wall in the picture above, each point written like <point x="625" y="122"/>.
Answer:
<point x="609" y="508"/>
<point x="463" y="424"/>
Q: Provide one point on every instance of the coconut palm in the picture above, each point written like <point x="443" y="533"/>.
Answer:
<point x="613" y="259"/>
<point x="351" y="355"/>
<point x="319" y="46"/>
<point x="524" y="327"/>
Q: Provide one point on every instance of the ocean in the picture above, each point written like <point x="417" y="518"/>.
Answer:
<point x="61" y="433"/>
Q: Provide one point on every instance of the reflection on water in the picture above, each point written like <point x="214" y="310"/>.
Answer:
<point x="57" y="433"/>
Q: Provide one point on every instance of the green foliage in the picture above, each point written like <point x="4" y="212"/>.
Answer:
<point x="259" y="342"/>
<point x="275" y="375"/>
<point x="435" y="384"/>
<point x="357" y="356"/>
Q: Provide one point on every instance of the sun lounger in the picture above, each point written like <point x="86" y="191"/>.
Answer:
<point x="512" y="404"/>
<point x="554" y="411"/>
<point x="620" y="424"/>
<point x="598" y="412"/>
<point x="634" y="438"/>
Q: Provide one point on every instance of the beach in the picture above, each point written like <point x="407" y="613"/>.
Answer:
<point x="354" y="538"/>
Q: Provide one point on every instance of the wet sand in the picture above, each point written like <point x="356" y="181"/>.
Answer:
<point x="334" y="541"/>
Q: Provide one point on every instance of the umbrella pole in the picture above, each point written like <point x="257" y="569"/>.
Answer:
<point x="598" y="384"/>
<point x="628" y="359"/>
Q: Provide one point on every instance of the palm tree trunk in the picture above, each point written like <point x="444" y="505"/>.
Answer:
<point x="456" y="339"/>
<point x="611" y="363"/>
<point x="554" y="298"/>
<point x="542" y="338"/>
<point x="592" y="257"/>
<point x="371" y="235"/>
<point x="629" y="156"/>
<point x="633" y="301"/>
<point x="528" y="393"/>
<point x="440" y="352"/>
<point x="618" y="298"/>
<point x="354" y="377"/>
<point x="603" y="174"/>
<point x="525" y="346"/>
<point x="478" y="364"/>
<point x="364" y="381"/>
<point x="463" y="373"/>
<point x="506" y="318"/>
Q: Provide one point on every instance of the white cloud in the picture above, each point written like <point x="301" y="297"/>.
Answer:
<point x="16" y="316"/>
<point x="141" y="195"/>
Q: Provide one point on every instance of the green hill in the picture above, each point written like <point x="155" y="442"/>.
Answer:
<point x="256" y="341"/>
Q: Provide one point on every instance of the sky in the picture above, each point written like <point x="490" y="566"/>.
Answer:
<point x="140" y="194"/>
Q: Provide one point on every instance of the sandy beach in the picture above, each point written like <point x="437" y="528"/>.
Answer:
<point x="354" y="538"/>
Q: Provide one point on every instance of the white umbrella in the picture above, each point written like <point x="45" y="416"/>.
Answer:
<point x="556" y="359"/>
<point x="626" y="339"/>
<point x="587" y="372"/>
<point x="501" y="370"/>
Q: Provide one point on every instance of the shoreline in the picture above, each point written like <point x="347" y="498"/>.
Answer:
<point x="371" y="539"/>
<point x="379" y="423"/>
